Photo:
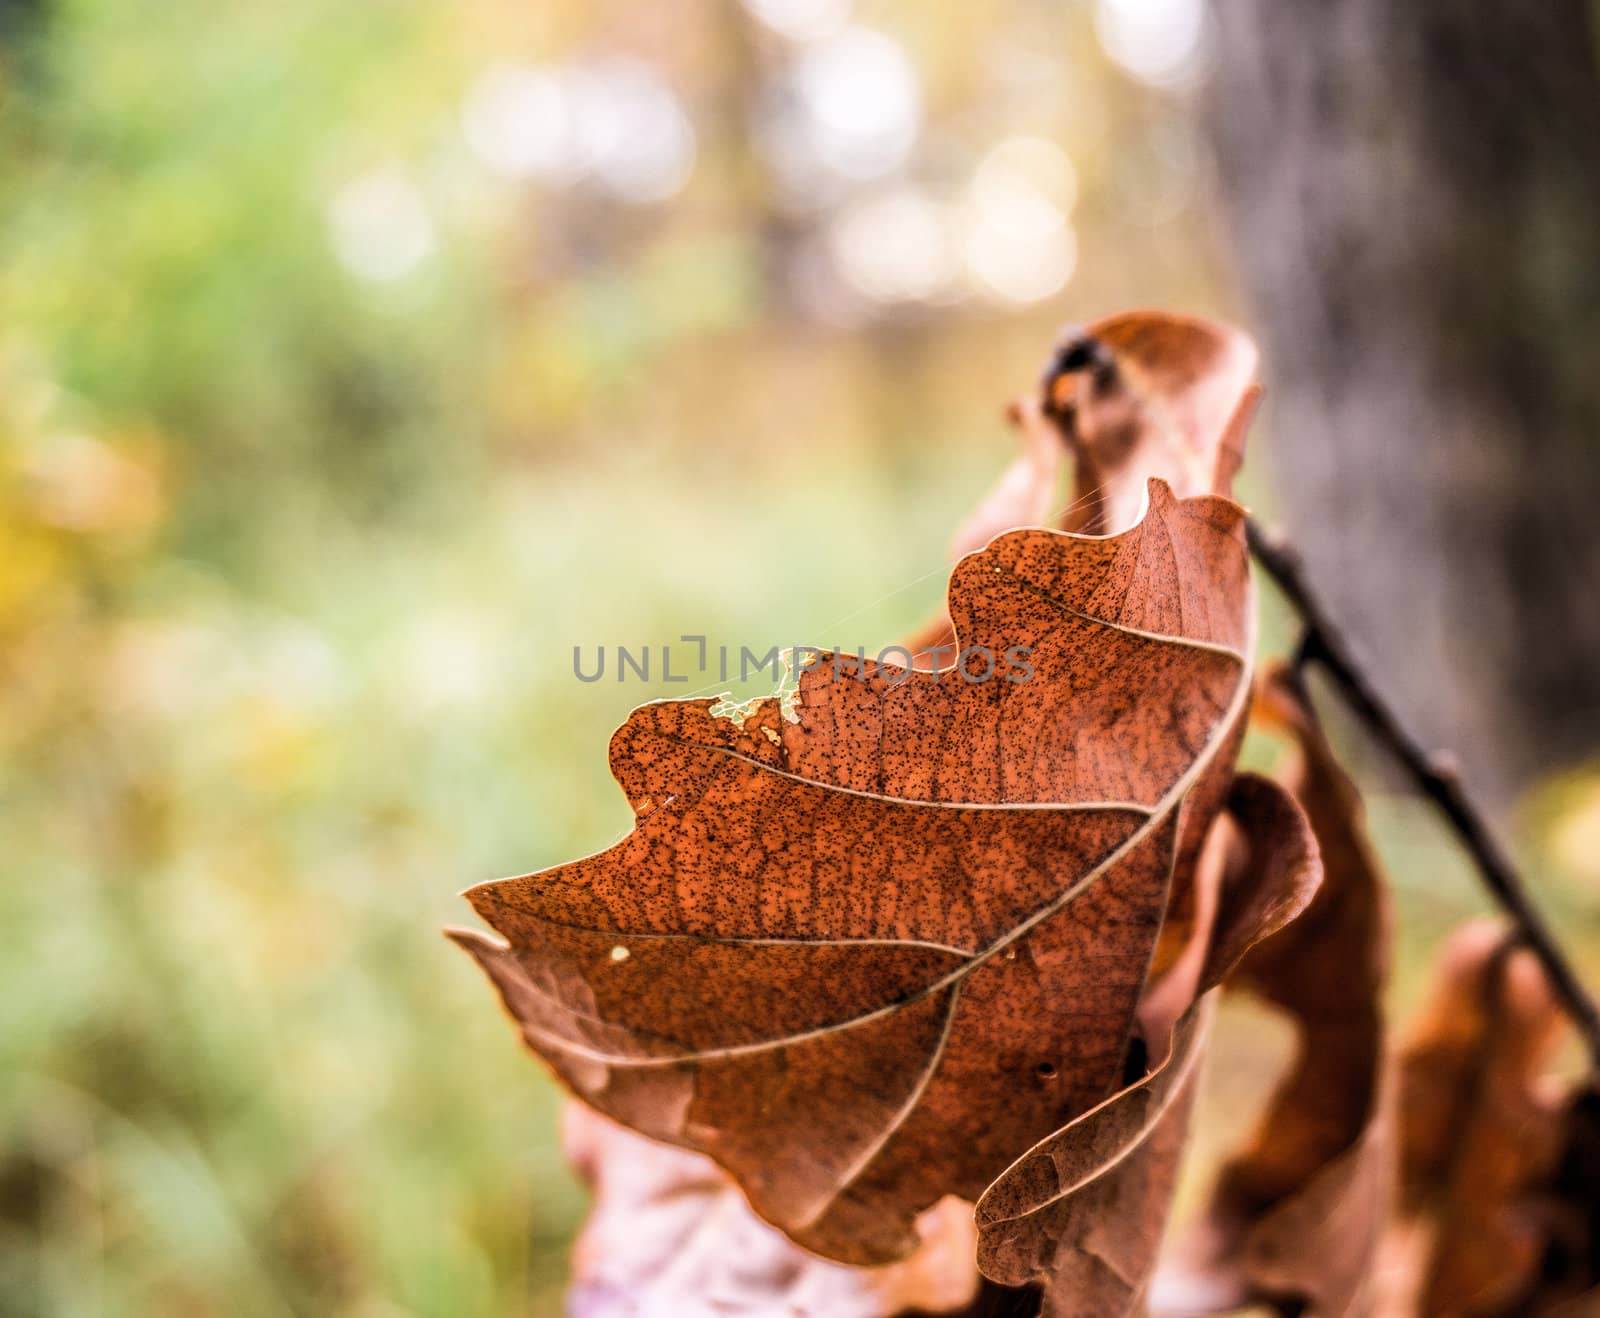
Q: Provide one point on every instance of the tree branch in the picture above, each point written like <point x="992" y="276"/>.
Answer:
<point x="1323" y="643"/>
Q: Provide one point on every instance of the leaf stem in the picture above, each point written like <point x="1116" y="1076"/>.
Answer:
<point x="1435" y="776"/>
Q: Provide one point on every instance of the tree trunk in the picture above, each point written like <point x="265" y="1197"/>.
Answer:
<point x="1414" y="191"/>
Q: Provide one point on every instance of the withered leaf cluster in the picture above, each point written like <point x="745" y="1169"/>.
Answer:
<point x="907" y="978"/>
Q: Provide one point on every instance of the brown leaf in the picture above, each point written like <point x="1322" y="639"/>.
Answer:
<point x="1482" y="1127"/>
<point x="1141" y="394"/>
<point x="850" y="956"/>
<point x="869" y="942"/>
<point x="1151" y="394"/>
<point x="1296" y="1216"/>
<point x="1084" y="1209"/>
<point x="1136" y="395"/>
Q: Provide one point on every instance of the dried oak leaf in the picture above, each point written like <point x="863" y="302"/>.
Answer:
<point x="1143" y="394"/>
<point x="1295" y="1218"/>
<point x="866" y="958"/>
<point x="1483" y="1127"/>
<point x="1134" y="395"/>
<point x="1084" y="1210"/>
<point x="869" y="942"/>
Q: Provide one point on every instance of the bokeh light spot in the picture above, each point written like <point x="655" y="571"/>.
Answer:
<point x="380" y="225"/>
<point x="1161" y="42"/>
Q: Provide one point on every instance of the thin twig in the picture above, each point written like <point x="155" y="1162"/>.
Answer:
<point x="1323" y="643"/>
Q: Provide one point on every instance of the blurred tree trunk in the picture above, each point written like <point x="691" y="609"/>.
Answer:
<point x="1413" y="191"/>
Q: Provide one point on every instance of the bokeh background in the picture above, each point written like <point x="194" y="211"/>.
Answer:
<point x="357" y="362"/>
